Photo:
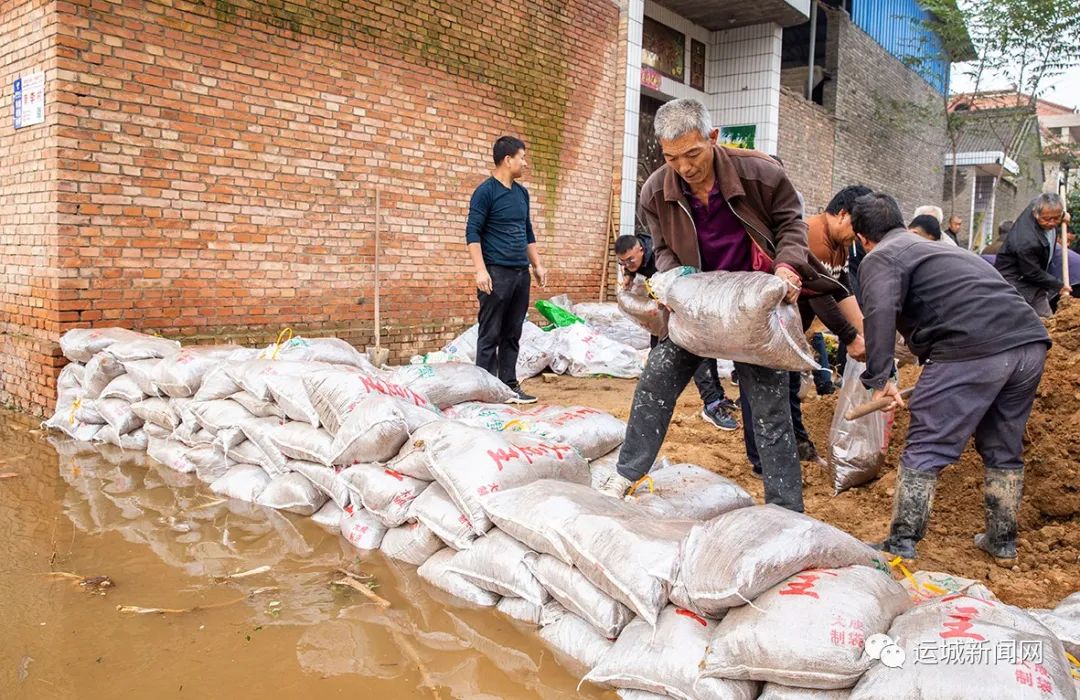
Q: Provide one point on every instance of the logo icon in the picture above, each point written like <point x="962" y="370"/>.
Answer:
<point x="881" y="647"/>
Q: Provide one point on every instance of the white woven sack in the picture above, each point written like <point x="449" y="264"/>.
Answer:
<point x="181" y="374"/>
<point x="136" y="440"/>
<point x="924" y="585"/>
<point x="387" y="494"/>
<point x="326" y="479"/>
<point x="293" y="493"/>
<point x="774" y="691"/>
<point x="220" y="414"/>
<point x="609" y="319"/>
<point x="122" y="387"/>
<point x="691" y="492"/>
<point x="119" y="414"/>
<point x="436" y="571"/>
<point x="260" y="431"/>
<point x="1064" y="622"/>
<point x="81" y="344"/>
<point x="497" y="563"/>
<point x="253" y="375"/>
<point x="412" y="543"/>
<point x="329" y="517"/>
<point x="258" y="407"/>
<point x="142" y="347"/>
<point x="243" y="482"/>
<point x="300" y="441"/>
<point x="335" y="392"/>
<point x="578" y="595"/>
<point x="171" y="453"/>
<point x="374" y="431"/>
<point x="453" y="383"/>
<point x="575" y="641"/>
<point x="360" y="528"/>
<point x="582" y="352"/>
<point x="142" y="372"/>
<point x="291" y="396"/>
<point x="434" y="508"/>
<point x="521" y="610"/>
<point x="326" y="350"/>
<point x="218" y="383"/>
<point x="99" y="371"/>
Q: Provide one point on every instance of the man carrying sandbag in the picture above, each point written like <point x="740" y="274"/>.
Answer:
<point x="984" y="349"/>
<point x="501" y="245"/>
<point x="718" y="208"/>
<point x="635" y="256"/>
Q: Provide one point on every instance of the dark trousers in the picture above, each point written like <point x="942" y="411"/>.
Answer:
<point x="706" y="379"/>
<point x="822" y="377"/>
<point x="667" y="373"/>
<point x="501" y="314"/>
<point x="799" y="430"/>
<point x="990" y="397"/>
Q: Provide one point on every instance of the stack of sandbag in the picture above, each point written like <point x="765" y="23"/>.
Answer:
<point x="535" y="350"/>
<point x="591" y="432"/>
<point x="739" y="316"/>
<point x="581" y="351"/>
<point x="609" y="320"/>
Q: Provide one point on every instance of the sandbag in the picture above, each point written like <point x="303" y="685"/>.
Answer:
<point x="535" y="349"/>
<point x="434" y="508"/>
<point x="924" y="585"/>
<point x="591" y="432"/>
<point x="603" y="467"/>
<point x="836" y="611"/>
<point x="301" y="441"/>
<point x="536" y="513"/>
<point x="210" y="463"/>
<point x="857" y="448"/>
<point x="961" y="647"/>
<point x="578" y="595"/>
<point x="387" y="494"/>
<point x="472" y="463"/>
<point x="119" y="414"/>
<point x="326" y="350"/>
<point x="294" y="493"/>
<point x="490" y="416"/>
<point x="582" y="352"/>
<point x="253" y="376"/>
<point x="157" y="411"/>
<point x="142" y="347"/>
<point x="521" y="610"/>
<point x="99" y="371"/>
<point x="136" y="440"/>
<point x="360" y="528"/>
<point x="329" y="517"/>
<point x="1064" y="622"/>
<point x="220" y="414"/>
<point x="738" y="316"/>
<point x="156" y="431"/>
<point x="453" y="383"/>
<point x="181" y="374"/>
<point x="412" y="543"/>
<point x="258" y="407"/>
<point x="246" y="452"/>
<point x="170" y="453"/>
<point x="497" y="563"/>
<point x="691" y="492"/>
<point x="260" y="432"/>
<point x="243" y="482"/>
<point x="774" y="691"/>
<point x="81" y="344"/>
<point x="218" y="383"/>
<point x="122" y="387"/>
<point x="374" y="431"/>
<point x="336" y="392"/>
<point x="436" y="571"/>
<point x="326" y="479"/>
<point x="574" y="640"/>
<point x="665" y="660"/>
<point x="642" y="309"/>
<point x="737" y="556"/>
<point x="291" y="396"/>
<point x="71" y="378"/>
<point x="608" y="319"/>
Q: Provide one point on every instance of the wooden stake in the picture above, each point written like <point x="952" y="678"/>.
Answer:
<point x="1064" y="242"/>
<point x="609" y="237"/>
<point x="378" y="254"/>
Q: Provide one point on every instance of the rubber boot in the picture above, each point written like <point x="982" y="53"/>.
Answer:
<point x="1003" y="490"/>
<point x="911" y="512"/>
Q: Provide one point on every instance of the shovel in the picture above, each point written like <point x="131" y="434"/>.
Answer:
<point x="865" y="409"/>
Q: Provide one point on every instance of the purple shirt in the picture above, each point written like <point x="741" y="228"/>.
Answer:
<point x="722" y="238"/>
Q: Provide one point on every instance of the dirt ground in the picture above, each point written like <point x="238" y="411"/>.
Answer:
<point x="1049" y="544"/>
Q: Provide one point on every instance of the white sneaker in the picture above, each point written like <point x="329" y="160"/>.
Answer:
<point x="614" y="485"/>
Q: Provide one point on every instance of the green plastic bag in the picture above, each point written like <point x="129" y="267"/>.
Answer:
<point x="556" y="314"/>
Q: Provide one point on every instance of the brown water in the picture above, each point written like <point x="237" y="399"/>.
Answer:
<point x="162" y="537"/>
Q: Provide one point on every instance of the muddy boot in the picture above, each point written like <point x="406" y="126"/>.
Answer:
<point x="1003" y="490"/>
<point x="911" y="512"/>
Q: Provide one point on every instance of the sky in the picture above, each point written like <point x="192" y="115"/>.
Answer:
<point x="1063" y="89"/>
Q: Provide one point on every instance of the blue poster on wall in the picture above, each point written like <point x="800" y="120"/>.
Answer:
<point x="18" y="103"/>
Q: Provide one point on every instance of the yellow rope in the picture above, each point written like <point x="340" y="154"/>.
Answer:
<point x="643" y="480"/>
<point x="283" y="337"/>
<point x="75" y="405"/>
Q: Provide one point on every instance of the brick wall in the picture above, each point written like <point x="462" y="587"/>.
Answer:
<point x="807" y="139"/>
<point x="221" y="159"/>
<point x="890" y="122"/>
<point x="29" y="359"/>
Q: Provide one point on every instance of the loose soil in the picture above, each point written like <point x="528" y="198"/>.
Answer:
<point x="1049" y="542"/>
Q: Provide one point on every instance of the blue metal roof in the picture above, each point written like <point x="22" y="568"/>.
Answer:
<point x="899" y="27"/>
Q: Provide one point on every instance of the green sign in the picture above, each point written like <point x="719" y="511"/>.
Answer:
<point x="738" y="136"/>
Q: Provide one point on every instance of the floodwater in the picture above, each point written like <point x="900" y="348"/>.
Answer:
<point x="163" y="537"/>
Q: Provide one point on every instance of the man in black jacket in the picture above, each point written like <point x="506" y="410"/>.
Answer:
<point x="1027" y="252"/>
<point x="984" y="350"/>
<point x="635" y="256"/>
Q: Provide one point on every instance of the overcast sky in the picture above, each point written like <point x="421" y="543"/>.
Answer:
<point x="1063" y="89"/>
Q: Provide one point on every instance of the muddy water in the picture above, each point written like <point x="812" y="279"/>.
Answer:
<point x="162" y="537"/>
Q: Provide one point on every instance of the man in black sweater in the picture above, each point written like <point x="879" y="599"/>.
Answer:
<point x="984" y="350"/>
<point x="1027" y="252"/>
<point x="502" y="246"/>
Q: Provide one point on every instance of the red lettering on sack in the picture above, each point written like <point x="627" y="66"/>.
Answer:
<point x="501" y="456"/>
<point x="960" y="623"/>
<point x="693" y="616"/>
<point x="397" y="475"/>
<point x="805" y="584"/>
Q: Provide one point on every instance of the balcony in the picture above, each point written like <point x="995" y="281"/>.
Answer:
<point x="728" y="14"/>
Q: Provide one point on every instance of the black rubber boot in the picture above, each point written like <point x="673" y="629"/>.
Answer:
<point x="1003" y="490"/>
<point x="911" y="512"/>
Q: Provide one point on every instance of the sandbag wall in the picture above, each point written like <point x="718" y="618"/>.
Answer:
<point x="687" y="590"/>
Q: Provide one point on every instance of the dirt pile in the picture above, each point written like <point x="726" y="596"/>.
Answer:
<point x="1049" y="567"/>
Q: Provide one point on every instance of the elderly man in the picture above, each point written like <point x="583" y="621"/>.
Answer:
<point x="984" y="351"/>
<point x="718" y="208"/>
<point x="952" y="231"/>
<point x="1025" y="258"/>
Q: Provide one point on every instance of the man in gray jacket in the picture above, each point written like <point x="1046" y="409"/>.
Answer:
<point x="983" y="349"/>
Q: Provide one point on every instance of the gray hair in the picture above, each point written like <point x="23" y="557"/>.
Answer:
<point x="680" y="117"/>
<point x="1047" y="200"/>
<point x="930" y="210"/>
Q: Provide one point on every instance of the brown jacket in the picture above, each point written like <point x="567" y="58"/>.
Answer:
<point x="760" y="194"/>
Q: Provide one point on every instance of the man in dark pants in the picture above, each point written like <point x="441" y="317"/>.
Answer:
<point x="1027" y="252"/>
<point x="635" y="255"/>
<point x="984" y="350"/>
<point x="718" y="208"/>
<point x="501" y="244"/>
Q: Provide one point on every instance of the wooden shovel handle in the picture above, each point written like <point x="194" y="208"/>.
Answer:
<point x="865" y="409"/>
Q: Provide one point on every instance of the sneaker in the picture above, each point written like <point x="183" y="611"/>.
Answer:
<point x="720" y="416"/>
<point x="520" y="396"/>
<point x="614" y="485"/>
